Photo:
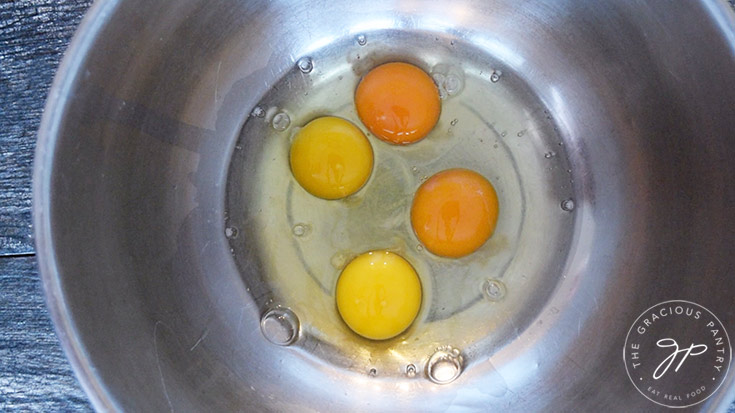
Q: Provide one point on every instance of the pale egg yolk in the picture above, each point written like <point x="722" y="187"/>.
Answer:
<point x="454" y="212"/>
<point x="378" y="295"/>
<point x="331" y="158"/>
<point x="398" y="102"/>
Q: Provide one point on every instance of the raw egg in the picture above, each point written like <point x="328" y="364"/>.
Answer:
<point x="378" y="295"/>
<point x="398" y="102"/>
<point x="331" y="158"/>
<point x="454" y="212"/>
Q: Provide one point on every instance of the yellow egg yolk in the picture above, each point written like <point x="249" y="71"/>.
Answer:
<point x="378" y="295"/>
<point x="331" y="158"/>
<point x="398" y="102"/>
<point x="454" y="212"/>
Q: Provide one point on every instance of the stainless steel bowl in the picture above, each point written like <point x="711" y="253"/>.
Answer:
<point x="157" y="313"/>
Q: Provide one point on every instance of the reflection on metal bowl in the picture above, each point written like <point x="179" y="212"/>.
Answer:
<point x="187" y="271"/>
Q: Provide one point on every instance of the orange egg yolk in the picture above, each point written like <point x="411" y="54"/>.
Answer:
<point x="398" y="102"/>
<point x="454" y="212"/>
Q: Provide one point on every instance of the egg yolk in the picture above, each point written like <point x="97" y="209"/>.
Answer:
<point x="398" y="102"/>
<point x="331" y="158"/>
<point x="378" y="295"/>
<point x="454" y="212"/>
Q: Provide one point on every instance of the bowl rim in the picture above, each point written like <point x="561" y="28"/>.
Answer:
<point x="55" y="109"/>
<point x="54" y="112"/>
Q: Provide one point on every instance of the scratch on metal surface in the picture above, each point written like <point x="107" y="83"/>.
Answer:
<point x="158" y="364"/>
<point x="204" y="247"/>
<point x="202" y="337"/>
<point x="577" y="365"/>
<point x="216" y="81"/>
<point x="678" y="79"/>
<point x="239" y="322"/>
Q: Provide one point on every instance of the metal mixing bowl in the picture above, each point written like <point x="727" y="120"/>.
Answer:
<point x="132" y="166"/>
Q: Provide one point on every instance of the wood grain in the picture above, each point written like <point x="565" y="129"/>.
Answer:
<point x="34" y="372"/>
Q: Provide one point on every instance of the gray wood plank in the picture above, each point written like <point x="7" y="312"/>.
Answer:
<point x="33" y="37"/>
<point x="34" y="372"/>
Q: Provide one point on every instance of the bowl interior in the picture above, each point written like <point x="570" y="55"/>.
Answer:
<point x="150" y="154"/>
